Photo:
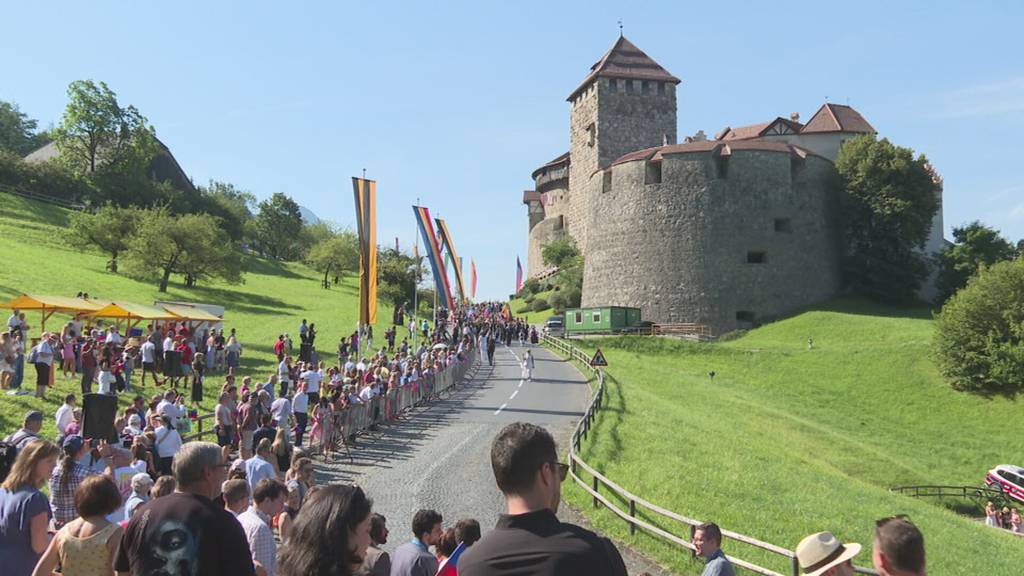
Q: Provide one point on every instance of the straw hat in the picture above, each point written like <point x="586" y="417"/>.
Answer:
<point x="819" y="552"/>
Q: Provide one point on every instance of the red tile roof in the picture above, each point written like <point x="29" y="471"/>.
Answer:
<point x="625" y="60"/>
<point x="837" y="118"/>
<point x="715" y="147"/>
<point x="563" y="159"/>
<point x="755" y="130"/>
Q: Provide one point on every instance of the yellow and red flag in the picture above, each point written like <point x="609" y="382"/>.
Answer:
<point x="366" y="224"/>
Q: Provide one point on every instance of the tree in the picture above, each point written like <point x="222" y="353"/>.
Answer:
<point x="191" y="244"/>
<point x="96" y="131"/>
<point x="979" y="336"/>
<point x="18" y="132"/>
<point x="975" y="245"/>
<point x="564" y="254"/>
<point x="278" y="226"/>
<point x="109" y="228"/>
<point x="559" y="252"/>
<point x="233" y="206"/>
<point x="335" y="255"/>
<point x="313" y="234"/>
<point x="397" y="276"/>
<point x="890" y="198"/>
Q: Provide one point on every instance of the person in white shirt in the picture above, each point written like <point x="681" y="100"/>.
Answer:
<point x="65" y="415"/>
<point x="13" y="322"/>
<point x="281" y="409"/>
<point x="168" y="442"/>
<point x="148" y="351"/>
<point x="106" y="380"/>
<point x="268" y="500"/>
<point x="113" y="337"/>
<point x="171" y="406"/>
<point x="300" y="409"/>
<point x="284" y="374"/>
<point x="361" y="366"/>
<point x="313" y="379"/>
<point x="259" y="467"/>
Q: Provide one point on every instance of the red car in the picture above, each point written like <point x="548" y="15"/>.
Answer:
<point x="1009" y="479"/>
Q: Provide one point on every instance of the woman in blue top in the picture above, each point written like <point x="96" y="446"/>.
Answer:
<point x="24" y="510"/>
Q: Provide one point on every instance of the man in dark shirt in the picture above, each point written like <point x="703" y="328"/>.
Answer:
<point x="530" y="540"/>
<point x="186" y="533"/>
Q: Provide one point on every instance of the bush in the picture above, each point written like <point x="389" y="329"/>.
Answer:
<point x="539" y="304"/>
<point x="531" y="286"/>
<point x="523" y="310"/>
<point x="979" y="337"/>
<point x="557" y="300"/>
<point x="529" y="299"/>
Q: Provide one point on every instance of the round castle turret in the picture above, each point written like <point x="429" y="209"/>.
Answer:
<point x="548" y="204"/>
<point x="713" y="233"/>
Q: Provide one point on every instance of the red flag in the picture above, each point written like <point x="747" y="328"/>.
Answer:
<point x="519" y="275"/>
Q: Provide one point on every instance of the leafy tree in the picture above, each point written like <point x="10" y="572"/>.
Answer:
<point x="18" y="132"/>
<point x="975" y="245"/>
<point x="233" y="206"/>
<point x="979" y="337"/>
<point x="559" y="252"/>
<point x="313" y="234"/>
<point x="335" y="255"/>
<point x="278" y="227"/>
<point x="97" y="132"/>
<point x="191" y="244"/>
<point x="397" y="276"/>
<point x="889" y="201"/>
<point x="109" y="228"/>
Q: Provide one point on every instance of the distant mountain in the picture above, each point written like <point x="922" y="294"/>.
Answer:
<point x="307" y="215"/>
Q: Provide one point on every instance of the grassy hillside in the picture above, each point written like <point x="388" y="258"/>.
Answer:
<point x="537" y="318"/>
<point x="274" y="298"/>
<point x="786" y="440"/>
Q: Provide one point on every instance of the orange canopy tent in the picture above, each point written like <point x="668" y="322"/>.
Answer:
<point x="47" y="305"/>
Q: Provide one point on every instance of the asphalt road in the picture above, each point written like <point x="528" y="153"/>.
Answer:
<point x="439" y="457"/>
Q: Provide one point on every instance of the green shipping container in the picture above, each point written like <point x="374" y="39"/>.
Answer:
<point x="601" y="319"/>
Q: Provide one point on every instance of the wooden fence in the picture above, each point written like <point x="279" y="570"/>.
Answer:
<point x="633" y="503"/>
<point x="41" y="197"/>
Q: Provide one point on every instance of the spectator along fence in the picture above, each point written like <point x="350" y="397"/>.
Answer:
<point x="636" y="511"/>
<point x="358" y="418"/>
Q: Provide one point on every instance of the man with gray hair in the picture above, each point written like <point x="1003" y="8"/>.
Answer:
<point x="142" y="483"/>
<point x="186" y="532"/>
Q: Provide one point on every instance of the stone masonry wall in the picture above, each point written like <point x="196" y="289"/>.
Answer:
<point x="679" y="250"/>
<point x="583" y="114"/>
<point x="541" y="235"/>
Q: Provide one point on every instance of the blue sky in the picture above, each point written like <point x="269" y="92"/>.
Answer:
<point x="457" y="102"/>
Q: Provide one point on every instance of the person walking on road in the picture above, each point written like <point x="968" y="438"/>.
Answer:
<point x="530" y="540"/>
<point x="490" y="351"/>
<point x="528" y="366"/>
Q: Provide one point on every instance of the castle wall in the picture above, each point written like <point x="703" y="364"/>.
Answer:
<point x="679" y="249"/>
<point x="549" y="230"/>
<point x="584" y="160"/>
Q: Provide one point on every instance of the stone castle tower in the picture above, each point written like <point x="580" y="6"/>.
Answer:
<point x="725" y="232"/>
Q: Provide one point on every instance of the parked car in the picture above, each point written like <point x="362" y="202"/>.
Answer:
<point x="1009" y="479"/>
<point x="554" y="325"/>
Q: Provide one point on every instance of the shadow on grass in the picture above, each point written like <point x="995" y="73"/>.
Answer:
<point x="235" y="300"/>
<point x="865" y="307"/>
<point x="266" y="267"/>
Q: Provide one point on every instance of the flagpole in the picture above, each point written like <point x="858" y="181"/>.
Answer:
<point x="416" y="288"/>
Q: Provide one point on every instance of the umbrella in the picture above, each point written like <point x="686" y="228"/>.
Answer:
<point x="440" y="345"/>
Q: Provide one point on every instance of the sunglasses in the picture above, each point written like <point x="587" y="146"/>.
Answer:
<point x="563" y="471"/>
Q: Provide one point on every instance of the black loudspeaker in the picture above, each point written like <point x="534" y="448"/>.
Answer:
<point x="98" y="413"/>
<point x="172" y="364"/>
<point x="305" y="352"/>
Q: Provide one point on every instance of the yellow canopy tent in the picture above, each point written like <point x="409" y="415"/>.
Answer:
<point x="133" y="313"/>
<point x="47" y="305"/>
<point x="192" y="313"/>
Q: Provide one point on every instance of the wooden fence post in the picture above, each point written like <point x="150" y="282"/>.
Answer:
<point x="632" y="514"/>
<point x="796" y="567"/>
<point x="597" y="503"/>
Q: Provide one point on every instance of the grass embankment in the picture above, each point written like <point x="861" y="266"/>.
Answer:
<point x="275" y="297"/>
<point x="537" y="318"/>
<point x="786" y="441"/>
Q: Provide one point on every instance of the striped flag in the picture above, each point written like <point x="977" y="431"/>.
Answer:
<point x="448" y="567"/>
<point x="366" y="224"/>
<point x="519" y="275"/>
<point x="472" y="279"/>
<point x="426" y="226"/>
<point x="449" y="247"/>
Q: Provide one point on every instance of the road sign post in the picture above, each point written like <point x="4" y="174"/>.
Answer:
<point x="598" y="359"/>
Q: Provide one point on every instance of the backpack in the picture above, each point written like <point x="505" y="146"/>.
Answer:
<point x="33" y="356"/>
<point x="8" y="453"/>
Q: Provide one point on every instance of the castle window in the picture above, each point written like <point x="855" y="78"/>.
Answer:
<point x="783" y="225"/>
<point x="606" y="184"/>
<point x="652" y="175"/>
<point x="578" y="318"/>
<point x="591" y="135"/>
<point x="613" y="85"/>
<point x="661" y="88"/>
<point x="757" y="257"/>
<point x="796" y="165"/>
<point x="629" y="86"/>
<point x="745" y="316"/>
<point x="721" y="166"/>
<point x="645" y="87"/>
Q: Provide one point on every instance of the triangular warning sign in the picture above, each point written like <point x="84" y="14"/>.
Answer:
<point x="598" y="359"/>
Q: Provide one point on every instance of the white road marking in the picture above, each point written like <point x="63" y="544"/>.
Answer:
<point x="513" y="395"/>
<point x="520" y="384"/>
<point x="498" y="411"/>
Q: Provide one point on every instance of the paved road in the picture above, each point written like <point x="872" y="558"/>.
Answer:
<point x="439" y="457"/>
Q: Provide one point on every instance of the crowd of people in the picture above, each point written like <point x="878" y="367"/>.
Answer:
<point x="152" y="503"/>
<point x="1008" y="518"/>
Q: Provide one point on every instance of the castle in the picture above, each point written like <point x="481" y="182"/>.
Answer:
<point x="723" y="232"/>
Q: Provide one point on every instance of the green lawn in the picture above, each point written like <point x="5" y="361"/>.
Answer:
<point x="786" y="441"/>
<point x="274" y="299"/>
<point x="537" y="318"/>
